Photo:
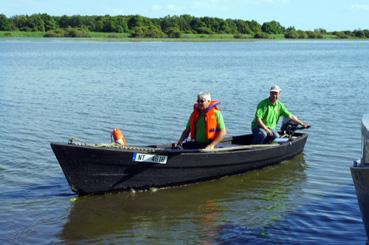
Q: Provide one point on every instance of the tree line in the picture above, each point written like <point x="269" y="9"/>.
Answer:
<point x="169" y="26"/>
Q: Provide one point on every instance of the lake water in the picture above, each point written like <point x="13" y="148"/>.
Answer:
<point x="54" y="89"/>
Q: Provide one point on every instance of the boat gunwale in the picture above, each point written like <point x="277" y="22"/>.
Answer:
<point x="151" y="149"/>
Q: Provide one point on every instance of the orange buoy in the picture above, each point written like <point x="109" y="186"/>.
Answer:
<point x="118" y="137"/>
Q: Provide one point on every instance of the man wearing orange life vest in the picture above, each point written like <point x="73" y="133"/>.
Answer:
<point x="205" y="125"/>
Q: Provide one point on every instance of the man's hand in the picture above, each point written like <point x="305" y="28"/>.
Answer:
<point x="269" y="132"/>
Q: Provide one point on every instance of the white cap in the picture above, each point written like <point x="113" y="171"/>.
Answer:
<point x="204" y="95"/>
<point x="275" y="88"/>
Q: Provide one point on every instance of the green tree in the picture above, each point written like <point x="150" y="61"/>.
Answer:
<point x="224" y="28"/>
<point x="55" y="33"/>
<point x="302" y="34"/>
<point x="261" y="35"/>
<point x="108" y="24"/>
<point x="75" y="21"/>
<point x="168" y="22"/>
<point x="321" y="31"/>
<point x="272" y="27"/>
<point x="184" y="23"/>
<point x="359" y="33"/>
<point x="151" y="31"/>
<point x="49" y="22"/>
<point x="36" y="23"/>
<point x="318" y="34"/>
<point x="213" y="24"/>
<point x="64" y="21"/>
<point x="341" y="35"/>
<point x="291" y="28"/>
<point x="29" y="23"/>
<point x="5" y="23"/>
<point x="311" y="35"/>
<point x="171" y="26"/>
<point x="255" y="26"/>
<point x="196" y="25"/>
<point x="76" y="32"/>
<point x="99" y="23"/>
<point x="366" y="33"/>
<point x="90" y="24"/>
<point x="21" y="22"/>
<point x="291" y="34"/>
<point x="121" y="24"/>
<point x="173" y="32"/>
<point x="135" y="21"/>
<point x="204" y="30"/>
<point x="243" y="27"/>
<point x="231" y="26"/>
<point x="137" y="31"/>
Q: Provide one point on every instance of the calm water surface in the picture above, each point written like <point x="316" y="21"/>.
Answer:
<point x="51" y="90"/>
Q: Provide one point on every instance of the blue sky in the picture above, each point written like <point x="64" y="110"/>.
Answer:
<point x="332" y="15"/>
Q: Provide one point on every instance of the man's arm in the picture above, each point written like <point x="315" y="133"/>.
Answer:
<point x="184" y="136"/>
<point x="260" y="123"/>
<point x="298" y="121"/>
<point x="217" y="139"/>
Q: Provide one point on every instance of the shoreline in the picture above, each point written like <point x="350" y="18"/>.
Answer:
<point x="124" y="37"/>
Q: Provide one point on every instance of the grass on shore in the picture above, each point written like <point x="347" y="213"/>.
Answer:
<point x="21" y="34"/>
<point x="125" y="36"/>
<point x="184" y="37"/>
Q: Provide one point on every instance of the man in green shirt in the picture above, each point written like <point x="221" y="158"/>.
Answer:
<point x="205" y="125"/>
<point x="267" y="115"/>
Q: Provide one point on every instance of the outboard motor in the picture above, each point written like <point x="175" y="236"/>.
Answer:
<point x="288" y="127"/>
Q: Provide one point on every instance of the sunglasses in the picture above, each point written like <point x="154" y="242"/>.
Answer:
<point x="201" y="101"/>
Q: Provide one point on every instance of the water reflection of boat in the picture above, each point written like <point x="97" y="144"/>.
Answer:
<point x="360" y="174"/>
<point x="97" y="169"/>
<point x="194" y="212"/>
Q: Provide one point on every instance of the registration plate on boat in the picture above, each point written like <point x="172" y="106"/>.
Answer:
<point x="140" y="157"/>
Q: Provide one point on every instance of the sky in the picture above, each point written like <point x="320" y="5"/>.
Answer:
<point x="332" y="15"/>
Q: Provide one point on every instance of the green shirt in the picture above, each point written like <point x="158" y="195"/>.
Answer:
<point x="269" y="113"/>
<point x="201" y="126"/>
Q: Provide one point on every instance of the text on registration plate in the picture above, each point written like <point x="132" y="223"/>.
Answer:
<point x="140" y="157"/>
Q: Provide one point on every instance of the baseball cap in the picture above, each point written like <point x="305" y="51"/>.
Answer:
<point x="275" y="88"/>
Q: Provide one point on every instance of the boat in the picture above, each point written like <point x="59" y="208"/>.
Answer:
<point x="100" y="168"/>
<point x="360" y="174"/>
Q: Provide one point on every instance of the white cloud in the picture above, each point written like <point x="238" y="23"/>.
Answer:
<point x="169" y="7"/>
<point x="220" y="8"/>
<point x="173" y="7"/>
<point x="360" y="7"/>
<point x="224" y="5"/>
<point x="241" y="2"/>
<point x="157" y="7"/>
<point x="255" y="2"/>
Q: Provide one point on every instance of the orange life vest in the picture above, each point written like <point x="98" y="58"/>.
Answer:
<point x="118" y="137"/>
<point x="210" y="120"/>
